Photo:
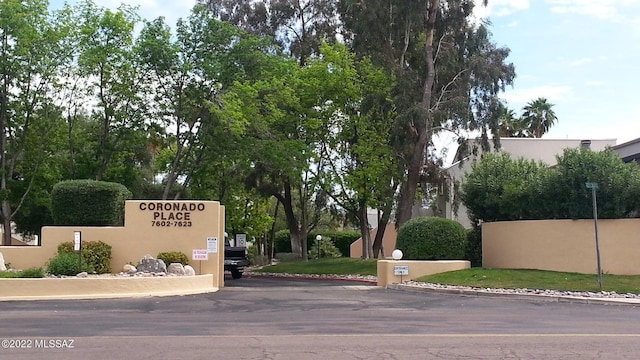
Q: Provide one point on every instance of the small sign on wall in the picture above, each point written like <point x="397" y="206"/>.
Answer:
<point x="199" y="255"/>
<point x="212" y="245"/>
<point x="401" y="270"/>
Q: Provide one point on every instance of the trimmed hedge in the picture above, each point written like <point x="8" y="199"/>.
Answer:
<point x="341" y="240"/>
<point x="88" y="203"/>
<point x="173" y="257"/>
<point x="432" y="238"/>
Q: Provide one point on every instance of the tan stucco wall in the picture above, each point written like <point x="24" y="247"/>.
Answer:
<point x="140" y="236"/>
<point x="563" y="245"/>
<point x="416" y="269"/>
<point x="388" y="242"/>
<point x="113" y="287"/>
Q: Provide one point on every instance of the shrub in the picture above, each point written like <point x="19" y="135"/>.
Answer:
<point x="432" y="238"/>
<point x="95" y="253"/>
<point x="255" y="258"/>
<point x="67" y="264"/>
<point x="474" y="246"/>
<point x="341" y="240"/>
<point x="327" y="249"/>
<point x="88" y="203"/>
<point x="34" y="272"/>
<point x="173" y="257"/>
<point x="8" y="275"/>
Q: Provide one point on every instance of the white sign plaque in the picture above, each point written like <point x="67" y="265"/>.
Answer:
<point x="76" y="240"/>
<point x="212" y="245"/>
<point x="241" y="240"/>
<point x="199" y="254"/>
<point x="401" y="270"/>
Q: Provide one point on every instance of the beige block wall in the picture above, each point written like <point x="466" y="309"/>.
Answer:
<point x="150" y="227"/>
<point x="563" y="245"/>
<point x="417" y="269"/>
<point x="388" y="242"/>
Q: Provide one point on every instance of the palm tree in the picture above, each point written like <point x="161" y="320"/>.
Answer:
<point x="539" y="116"/>
<point x="509" y="125"/>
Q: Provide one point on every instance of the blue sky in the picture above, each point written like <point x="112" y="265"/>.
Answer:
<point x="579" y="54"/>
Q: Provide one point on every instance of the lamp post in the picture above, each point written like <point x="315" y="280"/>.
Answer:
<point x="318" y="239"/>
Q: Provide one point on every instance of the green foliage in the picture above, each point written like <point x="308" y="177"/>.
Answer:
<point x="95" y="253"/>
<point x="474" y="246"/>
<point x="501" y="189"/>
<point x="323" y="249"/>
<point x="8" y="275"/>
<point x="88" y="203"/>
<point x="35" y="272"/>
<point x="432" y="238"/>
<point x="342" y="240"/>
<point x="255" y="258"/>
<point x="68" y="265"/>
<point x="173" y="257"/>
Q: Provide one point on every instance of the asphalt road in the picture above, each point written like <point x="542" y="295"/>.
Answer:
<point x="257" y="318"/>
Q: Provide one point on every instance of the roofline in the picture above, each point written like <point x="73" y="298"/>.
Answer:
<point x="630" y="142"/>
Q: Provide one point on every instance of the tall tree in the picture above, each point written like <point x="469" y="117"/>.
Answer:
<point x="29" y="60"/>
<point x="540" y="116"/>
<point x="448" y="73"/>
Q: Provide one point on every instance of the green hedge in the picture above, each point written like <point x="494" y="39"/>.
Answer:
<point x="88" y="203"/>
<point x="341" y="240"/>
<point x="432" y="238"/>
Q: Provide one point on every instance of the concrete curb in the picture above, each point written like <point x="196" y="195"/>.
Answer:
<point x="309" y="277"/>
<point x="529" y="297"/>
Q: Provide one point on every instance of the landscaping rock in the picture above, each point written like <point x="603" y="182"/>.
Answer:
<point x="189" y="271"/>
<point x="3" y="266"/>
<point x="128" y="268"/>
<point x="83" y="274"/>
<point x="175" y="268"/>
<point x="151" y="265"/>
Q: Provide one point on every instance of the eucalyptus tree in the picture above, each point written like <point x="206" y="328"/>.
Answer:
<point x="448" y="74"/>
<point x="29" y="118"/>
<point x="299" y="28"/>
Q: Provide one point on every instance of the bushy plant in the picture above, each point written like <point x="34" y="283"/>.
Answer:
<point x="325" y="248"/>
<point x="95" y="253"/>
<point x="341" y="240"/>
<point x="255" y="258"/>
<point x="88" y="202"/>
<point x="34" y="272"/>
<point x="171" y="257"/>
<point x="432" y="238"/>
<point x="474" y="246"/>
<point x="67" y="264"/>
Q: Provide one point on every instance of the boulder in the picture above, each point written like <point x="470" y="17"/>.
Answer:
<point x="3" y="266"/>
<point x="189" y="271"/>
<point x="151" y="265"/>
<point x="128" y="268"/>
<point x="175" y="268"/>
<point x="83" y="274"/>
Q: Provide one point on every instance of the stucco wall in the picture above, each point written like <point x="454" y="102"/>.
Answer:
<point x="179" y="226"/>
<point x="388" y="242"/>
<point x="563" y="245"/>
<point x="417" y="269"/>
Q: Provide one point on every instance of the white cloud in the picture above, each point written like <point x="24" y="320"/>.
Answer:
<point x="582" y="61"/>
<point x="602" y="9"/>
<point x="499" y="8"/>
<point x="595" y="83"/>
<point x="553" y="93"/>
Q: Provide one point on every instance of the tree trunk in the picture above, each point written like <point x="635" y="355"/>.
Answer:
<point x="378" y="245"/>
<point x="365" y="232"/>
<point x="292" y="221"/>
<point x="423" y="131"/>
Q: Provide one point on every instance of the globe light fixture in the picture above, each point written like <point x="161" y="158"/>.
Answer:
<point x="396" y="254"/>
<point x="318" y="239"/>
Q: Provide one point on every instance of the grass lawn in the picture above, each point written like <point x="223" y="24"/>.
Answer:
<point x="475" y="277"/>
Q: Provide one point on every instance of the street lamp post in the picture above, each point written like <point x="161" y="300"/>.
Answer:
<point x="318" y="239"/>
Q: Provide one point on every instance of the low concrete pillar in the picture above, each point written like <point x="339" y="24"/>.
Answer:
<point x="415" y="269"/>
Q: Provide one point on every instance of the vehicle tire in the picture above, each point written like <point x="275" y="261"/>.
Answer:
<point x="236" y="274"/>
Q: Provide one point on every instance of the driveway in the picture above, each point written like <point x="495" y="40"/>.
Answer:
<point x="258" y="318"/>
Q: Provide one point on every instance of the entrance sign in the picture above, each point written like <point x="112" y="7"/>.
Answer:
<point x="212" y="245"/>
<point x="401" y="270"/>
<point x="199" y="255"/>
